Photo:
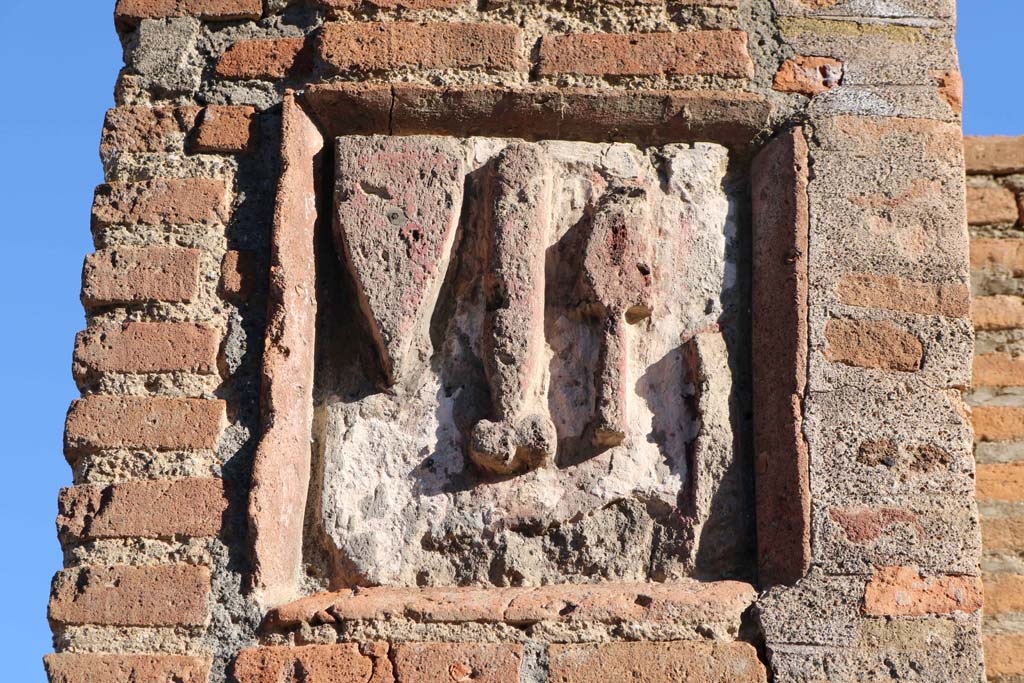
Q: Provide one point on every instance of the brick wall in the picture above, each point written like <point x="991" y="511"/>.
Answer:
<point x="995" y="209"/>
<point x="189" y="555"/>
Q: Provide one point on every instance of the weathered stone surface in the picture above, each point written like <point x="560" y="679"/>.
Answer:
<point x="146" y="129"/>
<point x="165" y="55"/>
<point x="1003" y="481"/>
<point x="396" y="232"/>
<point x="214" y="10"/>
<point x="166" y="201"/>
<point x="149" y="423"/>
<point x="149" y="509"/>
<point x="70" y="667"/>
<point x="281" y="466"/>
<point x="718" y="53"/>
<point x="808" y="75"/>
<point x="146" y="347"/>
<point x="458" y="662"/>
<point x="129" y="275"/>
<point x="1001" y="312"/>
<point x="521" y="434"/>
<point x="648" y="662"/>
<point x="904" y="591"/>
<point x="873" y="344"/>
<point x="168" y="595"/>
<point x="266" y="60"/>
<point x="991" y="205"/>
<point x="713" y="605"/>
<point x="341" y="663"/>
<point x="897" y="294"/>
<point x="228" y="130"/>
<point x="400" y="500"/>
<point x="779" y="305"/>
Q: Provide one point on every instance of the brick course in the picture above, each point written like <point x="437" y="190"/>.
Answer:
<point x="266" y="60"/>
<point x="143" y="423"/>
<point x="105" y="668"/>
<point x="873" y="344"/>
<point x="904" y="591"/>
<point x="168" y="595"/>
<point x="165" y="201"/>
<point x="131" y="275"/>
<point x="694" y="662"/>
<point x="148" y="509"/>
<point x="146" y="347"/>
<point x="131" y="11"/>
<point x="991" y="205"/>
<point x="227" y="130"/>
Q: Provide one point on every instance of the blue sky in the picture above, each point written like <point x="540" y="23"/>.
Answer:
<point x="65" y="61"/>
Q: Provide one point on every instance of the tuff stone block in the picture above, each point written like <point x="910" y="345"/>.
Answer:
<point x="133" y="275"/>
<point x="168" y="595"/>
<point x="138" y="347"/>
<point x="146" y="129"/>
<point x="653" y="662"/>
<point x="147" y="509"/>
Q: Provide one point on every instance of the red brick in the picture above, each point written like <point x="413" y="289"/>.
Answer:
<point x="689" y="53"/>
<point x="144" y="423"/>
<point x="458" y="662"/>
<point x="1004" y="594"/>
<point x="872" y="344"/>
<point x="349" y="5"/>
<point x="132" y="11"/>
<point x="904" y="592"/>
<point x="997" y="312"/>
<point x="1003" y="534"/>
<point x="146" y="129"/>
<point x="378" y="46"/>
<point x="281" y="465"/>
<point x="166" y="595"/>
<point x="1002" y="481"/>
<point x="1006" y="253"/>
<point x="266" y="60"/>
<point x="647" y="662"/>
<point x="129" y="275"/>
<point x="146" y="509"/>
<point x="227" y="130"/>
<point x="990" y="206"/>
<point x="808" y="75"/>
<point x="998" y="370"/>
<point x="239" y="271"/>
<point x="998" y="155"/>
<point x="1004" y="656"/>
<point x="950" y="84"/>
<point x="146" y="347"/>
<point x="103" y="668"/>
<point x="998" y="423"/>
<point x="164" y="201"/>
<point x="897" y="294"/>
<point x="781" y="223"/>
<point x="340" y="663"/>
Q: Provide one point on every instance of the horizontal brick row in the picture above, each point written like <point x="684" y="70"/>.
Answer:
<point x="143" y="347"/>
<point x="97" y="422"/>
<point x="894" y="293"/>
<point x="992" y="205"/>
<point x="1004" y="594"/>
<point x="132" y="11"/>
<point x="164" y="595"/>
<point x="994" y="155"/>
<point x="1001" y="482"/>
<point x="239" y="274"/>
<point x="905" y="592"/>
<point x="1000" y="312"/>
<point x="876" y="344"/>
<point x="650" y="662"/>
<point x="146" y="509"/>
<point x="213" y="129"/>
<point x="385" y="46"/>
<point x="111" y="668"/>
<point x="998" y="370"/>
<point x="998" y="423"/>
<point x="1006" y="253"/>
<point x="1003" y="534"/>
<point x="133" y="275"/>
<point x="163" y="202"/>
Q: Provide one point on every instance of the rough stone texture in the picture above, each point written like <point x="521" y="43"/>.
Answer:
<point x="457" y="662"/>
<point x="343" y="663"/>
<point x="656" y="663"/>
<point x="718" y="53"/>
<point x="102" y="668"/>
<point x="991" y="205"/>
<point x="213" y="10"/>
<point x="593" y="510"/>
<point x="1001" y="312"/>
<point x="998" y="423"/>
<point x="131" y="596"/>
<point x="715" y="606"/>
<point x="873" y="344"/>
<point x="903" y="591"/>
<point x="808" y="75"/>
<point x="281" y="464"/>
<point x="130" y="275"/>
<point x="384" y="46"/>
<point x="165" y="201"/>
<point x="266" y="60"/>
<point x="239" y="274"/>
<point x="135" y="422"/>
<point x="149" y="509"/>
<point x="891" y="292"/>
<point x="1004" y="656"/>
<point x="227" y="130"/>
<point x="145" y="347"/>
<point x="780" y="349"/>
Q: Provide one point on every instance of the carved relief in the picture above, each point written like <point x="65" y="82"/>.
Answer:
<point x="528" y="306"/>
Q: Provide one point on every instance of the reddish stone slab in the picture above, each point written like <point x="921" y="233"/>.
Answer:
<point x="225" y="130"/>
<point x="164" y="201"/>
<point x="653" y="662"/>
<point x="70" y="667"/>
<point x="99" y="421"/>
<point x="139" y="347"/>
<point x="130" y="275"/>
<point x="877" y="344"/>
<point x="458" y="662"/>
<point x="894" y="293"/>
<point x="903" y="591"/>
